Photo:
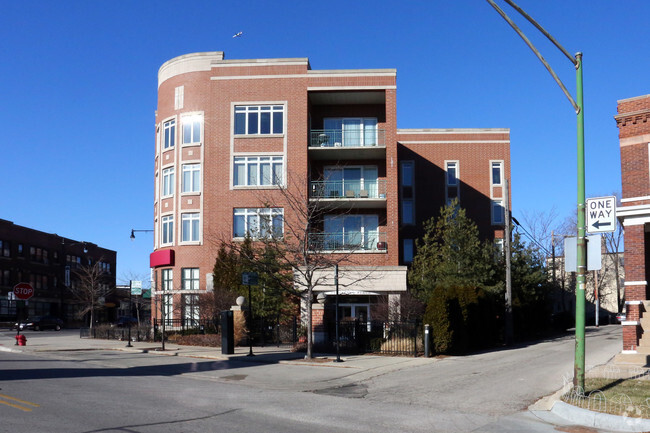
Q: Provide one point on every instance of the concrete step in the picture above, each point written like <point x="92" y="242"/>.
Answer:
<point x="638" y="359"/>
<point x="645" y="349"/>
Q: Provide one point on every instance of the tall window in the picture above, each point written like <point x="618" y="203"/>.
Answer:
<point x="167" y="279"/>
<point x="498" y="212"/>
<point x="190" y="278"/>
<point x="497" y="172"/>
<point x="190" y="227"/>
<point x="351" y="232"/>
<point x="352" y="181"/>
<point x="407" y="252"/>
<point x="407" y="180"/>
<point x="168" y="303"/>
<point x="258" y="170"/>
<point x="191" y="178"/>
<point x="451" y="181"/>
<point x="192" y="126"/>
<point x="259" y="119"/>
<point x="169" y="133"/>
<point x="168" y="182"/>
<point x="191" y="313"/>
<point x="351" y="131"/>
<point x="167" y="229"/>
<point x="258" y="222"/>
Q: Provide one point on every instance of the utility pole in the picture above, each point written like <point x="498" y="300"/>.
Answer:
<point x="508" y="252"/>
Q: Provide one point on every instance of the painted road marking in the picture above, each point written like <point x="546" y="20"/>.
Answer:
<point x="17" y="406"/>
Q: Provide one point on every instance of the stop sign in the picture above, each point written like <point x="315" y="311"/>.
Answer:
<point x="23" y="291"/>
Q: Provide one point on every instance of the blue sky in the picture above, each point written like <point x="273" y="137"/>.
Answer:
<point x="78" y="92"/>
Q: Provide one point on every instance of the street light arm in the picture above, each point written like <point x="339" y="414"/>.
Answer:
<point x="544" y="32"/>
<point x="537" y="53"/>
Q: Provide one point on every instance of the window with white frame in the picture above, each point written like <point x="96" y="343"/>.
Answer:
<point x="258" y="222"/>
<point x="190" y="278"/>
<point x="497" y="172"/>
<point x="407" y="251"/>
<point x="167" y="232"/>
<point x="350" y="181"/>
<point x="179" y="96"/>
<point x="167" y="279"/>
<point x="191" y="178"/>
<point x="407" y="176"/>
<point x="169" y="134"/>
<point x="498" y="212"/>
<point x="258" y="170"/>
<point x="451" y="181"/>
<point x="191" y="309"/>
<point x="168" y="303"/>
<point x="190" y="227"/>
<point x="351" y="232"/>
<point x="168" y="182"/>
<point x="259" y="119"/>
<point x="192" y="127"/>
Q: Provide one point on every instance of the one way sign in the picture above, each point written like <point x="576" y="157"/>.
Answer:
<point x="601" y="214"/>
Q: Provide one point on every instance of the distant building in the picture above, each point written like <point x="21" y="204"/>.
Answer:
<point x="229" y="132"/>
<point x="633" y="121"/>
<point x="48" y="263"/>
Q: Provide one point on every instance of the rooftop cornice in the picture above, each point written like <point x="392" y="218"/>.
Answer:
<point x="454" y="131"/>
<point x="633" y="99"/>
<point x="632" y="116"/>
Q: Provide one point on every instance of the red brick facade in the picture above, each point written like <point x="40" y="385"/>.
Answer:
<point x="634" y="135"/>
<point x="206" y="85"/>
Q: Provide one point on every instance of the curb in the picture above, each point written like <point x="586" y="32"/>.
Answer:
<point x="600" y="420"/>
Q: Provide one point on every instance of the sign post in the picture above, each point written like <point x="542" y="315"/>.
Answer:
<point x="22" y="291"/>
<point x="250" y="279"/>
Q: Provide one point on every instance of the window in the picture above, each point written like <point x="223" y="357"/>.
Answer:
<point x="451" y="181"/>
<point x="191" y="178"/>
<point x="179" y="96"/>
<point x="5" y="249"/>
<point x="190" y="278"/>
<point x="190" y="227"/>
<point x="258" y="222"/>
<point x="351" y="131"/>
<point x="497" y="170"/>
<point x="258" y="170"/>
<point x="169" y="132"/>
<point x="5" y="279"/>
<point x="259" y="119"/>
<point x="167" y="279"/>
<point x="407" y="180"/>
<point x="191" y="313"/>
<point x="192" y="126"/>
<point x="167" y="229"/>
<point x="352" y="181"/>
<point x="351" y="232"/>
<point x="168" y="182"/>
<point x="498" y="212"/>
<point x="407" y="252"/>
<point x="168" y="303"/>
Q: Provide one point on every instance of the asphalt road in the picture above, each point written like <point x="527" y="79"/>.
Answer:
<point x="112" y="391"/>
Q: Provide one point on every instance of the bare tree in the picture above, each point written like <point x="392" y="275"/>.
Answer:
<point x="93" y="284"/>
<point x="303" y="250"/>
<point x="139" y="302"/>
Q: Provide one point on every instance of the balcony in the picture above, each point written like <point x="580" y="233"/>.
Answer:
<point x="357" y="193"/>
<point x="361" y="242"/>
<point x="347" y="143"/>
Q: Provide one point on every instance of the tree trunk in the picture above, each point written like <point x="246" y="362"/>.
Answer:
<point x="310" y="335"/>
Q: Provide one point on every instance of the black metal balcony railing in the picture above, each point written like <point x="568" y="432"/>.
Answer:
<point x="348" y="189"/>
<point x="357" y="137"/>
<point x="371" y="240"/>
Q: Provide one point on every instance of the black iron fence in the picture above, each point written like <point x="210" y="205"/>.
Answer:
<point x="377" y="336"/>
<point x="107" y="332"/>
<point x="207" y="326"/>
<point x="274" y="333"/>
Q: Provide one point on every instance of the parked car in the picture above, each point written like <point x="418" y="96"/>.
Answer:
<point x="125" y="322"/>
<point x="39" y="323"/>
<point x="621" y="317"/>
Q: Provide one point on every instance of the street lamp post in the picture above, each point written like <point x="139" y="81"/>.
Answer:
<point x="578" y="106"/>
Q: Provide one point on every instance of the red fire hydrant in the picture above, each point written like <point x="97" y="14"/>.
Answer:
<point x="22" y="340"/>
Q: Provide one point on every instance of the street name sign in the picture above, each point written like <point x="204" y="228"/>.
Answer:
<point x="249" y="278"/>
<point x="601" y="214"/>
<point x="136" y="287"/>
<point x="23" y="291"/>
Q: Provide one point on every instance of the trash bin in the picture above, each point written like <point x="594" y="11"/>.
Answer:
<point x="227" y="333"/>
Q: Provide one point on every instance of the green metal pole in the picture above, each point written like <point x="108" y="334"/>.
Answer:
<point x="579" y="369"/>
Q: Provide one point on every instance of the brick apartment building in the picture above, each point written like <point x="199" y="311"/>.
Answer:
<point x="633" y="121"/>
<point x="47" y="262"/>
<point x="228" y="132"/>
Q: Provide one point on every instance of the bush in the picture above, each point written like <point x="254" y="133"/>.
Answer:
<point x="462" y="318"/>
<point x="206" y="340"/>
